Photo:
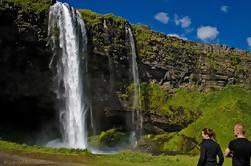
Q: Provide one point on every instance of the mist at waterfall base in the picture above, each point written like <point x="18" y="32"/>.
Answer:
<point x="68" y="40"/>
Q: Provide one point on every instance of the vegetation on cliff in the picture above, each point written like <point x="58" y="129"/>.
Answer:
<point x="193" y="110"/>
<point x="220" y="110"/>
<point x="36" y="6"/>
<point x="179" y="108"/>
<point x="151" y="44"/>
<point x="92" y="18"/>
<point x="29" y="16"/>
<point x="218" y="63"/>
<point x="106" y="33"/>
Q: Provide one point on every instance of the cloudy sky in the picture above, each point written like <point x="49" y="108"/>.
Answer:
<point x="211" y="21"/>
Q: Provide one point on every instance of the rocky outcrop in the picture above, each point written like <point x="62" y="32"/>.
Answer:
<point x="185" y="62"/>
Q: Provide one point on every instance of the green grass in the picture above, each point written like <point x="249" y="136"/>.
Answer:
<point x="126" y="158"/>
<point x="10" y="146"/>
<point x="189" y="99"/>
<point x="221" y="110"/>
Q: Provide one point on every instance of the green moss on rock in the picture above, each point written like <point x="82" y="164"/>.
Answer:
<point x="108" y="139"/>
<point x="221" y="110"/>
<point x="180" y="108"/>
<point x="92" y="18"/>
<point x="154" y="143"/>
<point x="36" y="6"/>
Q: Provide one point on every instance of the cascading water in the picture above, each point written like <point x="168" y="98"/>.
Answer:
<point x="68" y="38"/>
<point x="137" y="119"/>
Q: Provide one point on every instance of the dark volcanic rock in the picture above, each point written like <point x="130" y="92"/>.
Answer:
<point x="26" y="98"/>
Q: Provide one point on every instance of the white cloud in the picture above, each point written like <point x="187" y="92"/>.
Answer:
<point x="249" y="41"/>
<point x="207" y="33"/>
<point x="176" y="19"/>
<point x="224" y="8"/>
<point x="178" y="36"/>
<point x="184" y="21"/>
<point x="162" y="17"/>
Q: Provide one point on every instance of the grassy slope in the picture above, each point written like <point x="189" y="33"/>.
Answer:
<point x="221" y="110"/>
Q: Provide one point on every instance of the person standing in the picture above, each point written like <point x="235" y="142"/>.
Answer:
<point x="240" y="148"/>
<point x="209" y="149"/>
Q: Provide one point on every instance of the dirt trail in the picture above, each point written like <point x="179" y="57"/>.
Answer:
<point x="8" y="159"/>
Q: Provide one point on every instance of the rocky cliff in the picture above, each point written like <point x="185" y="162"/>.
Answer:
<point x="165" y="64"/>
<point x="26" y="97"/>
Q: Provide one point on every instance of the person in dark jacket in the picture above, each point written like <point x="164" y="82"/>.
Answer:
<point x="209" y="149"/>
<point x="240" y="148"/>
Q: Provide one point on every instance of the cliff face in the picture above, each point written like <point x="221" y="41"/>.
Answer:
<point x="26" y="98"/>
<point x="165" y="63"/>
<point x="184" y="62"/>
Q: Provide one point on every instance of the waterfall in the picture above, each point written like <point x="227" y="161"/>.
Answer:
<point x="137" y="119"/>
<point x="104" y="24"/>
<point x="68" y="38"/>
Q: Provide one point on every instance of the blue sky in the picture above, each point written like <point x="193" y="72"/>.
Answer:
<point x="211" y="21"/>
